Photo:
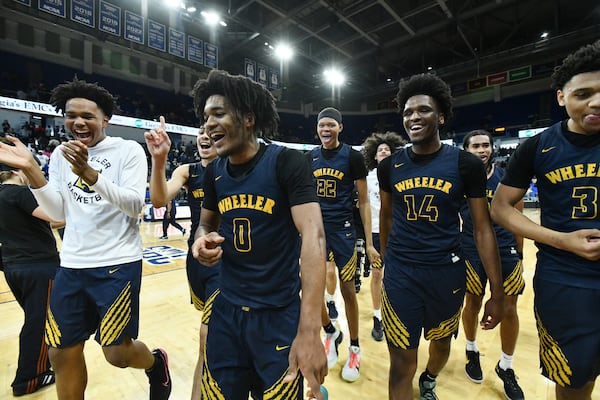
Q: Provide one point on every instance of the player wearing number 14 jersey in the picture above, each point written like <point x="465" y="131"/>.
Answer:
<point x="421" y="191"/>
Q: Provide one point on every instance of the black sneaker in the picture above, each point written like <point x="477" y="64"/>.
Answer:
<point x="331" y="310"/>
<point x="159" y="377"/>
<point x="427" y="390"/>
<point x="512" y="390"/>
<point x="47" y="378"/>
<point x="473" y="367"/>
<point x="377" y="332"/>
<point x="164" y="237"/>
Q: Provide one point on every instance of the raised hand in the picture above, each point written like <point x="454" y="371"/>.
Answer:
<point x="158" y="140"/>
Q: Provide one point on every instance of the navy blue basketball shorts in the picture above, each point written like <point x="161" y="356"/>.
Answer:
<point x="247" y="351"/>
<point x="568" y="331"/>
<point x="422" y="299"/>
<point x="341" y="242"/>
<point x="104" y="300"/>
<point x="202" y="280"/>
<point x="512" y="274"/>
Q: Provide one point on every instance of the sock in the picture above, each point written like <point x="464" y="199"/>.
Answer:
<point x="329" y="328"/>
<point x="354" y="342"/>
<point x="472" y="346"/>
<point x="377" y="313"/>
<point x="427" y="376"/>
<point x="328" y="297"/>
<point x="505" y="361"/>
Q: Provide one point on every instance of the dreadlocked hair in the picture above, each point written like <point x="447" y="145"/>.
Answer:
<point x="370" y="145"/>
<point x="82" y="89"/>
<point x="243" y="95"/>
<point x="426" y="84"/>
<point x="586" y="59"/>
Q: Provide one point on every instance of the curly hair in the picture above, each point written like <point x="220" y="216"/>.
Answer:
<point x="81" y="89"/>
<point x="585" y="59"/>
<point x="429" y="85"/>
<point x="242" y="94"/>
<point x="370" y="145"/>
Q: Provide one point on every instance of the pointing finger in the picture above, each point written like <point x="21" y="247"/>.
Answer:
<point x="162" y="123"/>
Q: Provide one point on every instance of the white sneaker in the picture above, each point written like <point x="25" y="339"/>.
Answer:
<point x="332" y="341"/>
<point x="351" y="370"/>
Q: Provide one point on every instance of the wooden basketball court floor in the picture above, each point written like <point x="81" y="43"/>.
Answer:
<point x="168" y="320"/>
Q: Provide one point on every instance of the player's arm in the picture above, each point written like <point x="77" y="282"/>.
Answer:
<point x="474" y="178"/>
<point x="487" y="248"/>
<point x="206" y="247"/>
<point x="583" y="242"/>
<point x="385" y="197"/>
<point x="161" y="190"/>
<point x="307" y="353"/>
<point x="364" y="208"/>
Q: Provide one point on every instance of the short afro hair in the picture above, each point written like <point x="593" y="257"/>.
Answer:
<point x="426" y="84"/>
<point x="585" y="59"/>
<point x="242" y="94"/>
<point x="81" y="89"/>
<point x="370" y="145"/>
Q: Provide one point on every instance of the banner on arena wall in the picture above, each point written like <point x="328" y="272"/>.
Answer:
<point x="274" y="81"/>
<point x="134" y="27"/>
<point x="211" y="55"/>
<point x="476" y="84"/>
<point x="176" y="43"/>
<point x="157" y="34"/>
<point x="55" y="7"/>
<point x="24" y="2"/>
<point x="47" y="109"/>
<point x="250" y="69"/>
<point x="195" y="50"/>
<point x="518" y="74"/>
<point x="497" y="79"/>
<point x="109" y="18"/>
<point x="84" y="12"/>
<point x="262" y="75"/>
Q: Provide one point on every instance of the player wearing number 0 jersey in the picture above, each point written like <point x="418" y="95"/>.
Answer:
<point x="260" y="216"/>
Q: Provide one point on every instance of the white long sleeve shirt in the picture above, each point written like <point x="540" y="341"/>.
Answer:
<point x="373" y="190"/>
<point x="102" y="219"/>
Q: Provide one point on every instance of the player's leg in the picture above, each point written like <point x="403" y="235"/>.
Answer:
<point x="71" y="320"/>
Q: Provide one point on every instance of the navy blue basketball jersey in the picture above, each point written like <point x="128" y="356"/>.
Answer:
<point x="260" y="265"/>
<point x="195" y="195"/>
<point x="568" y="179"/>
<point x="335" y="184"/>
<point x="426" y="199"/>
<point x="504" y="238"/>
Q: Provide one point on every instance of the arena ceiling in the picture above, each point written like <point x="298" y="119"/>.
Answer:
<point x="376" y="40"/>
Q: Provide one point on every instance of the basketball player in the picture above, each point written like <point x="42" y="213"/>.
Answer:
<point x="201" y="279"/>
<point x="564" y="158"/>
<point x="260" y="215"/>
<point x="375" y="148"/>
<point x="97" y="185"/>
<point x="336" y="168"/>
<point x="481" y="143"/>
<point x="421" y="190"/>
